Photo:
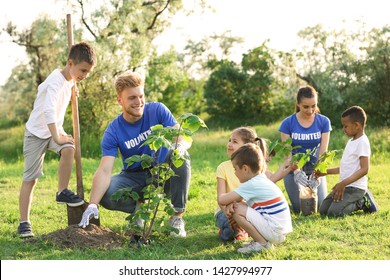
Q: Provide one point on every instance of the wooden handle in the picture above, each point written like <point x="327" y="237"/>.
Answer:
<point x="75" y="119"/>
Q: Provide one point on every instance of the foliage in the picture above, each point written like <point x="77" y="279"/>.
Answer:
<point x="325" y="160"/>
<point x="247" y="91"/>
<point x="168" y="82"/>
<point x="45" y="47"/>
<point x="153" y="196"/>
<point x="275" y="147"/>
<point x="285" y="147"/>
<point x="122" y="33"/>
<point x="224" y="87"/>
<point x="349" y="68"/>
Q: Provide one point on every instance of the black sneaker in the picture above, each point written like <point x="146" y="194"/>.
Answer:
<point x="369" y="205"/>
<point x="68" y="197"/>
<point x="25" y="230"/>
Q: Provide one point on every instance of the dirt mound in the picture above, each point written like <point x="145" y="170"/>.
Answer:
<point x="90" y="237"/>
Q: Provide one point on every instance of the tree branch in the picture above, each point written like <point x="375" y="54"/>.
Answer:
<point x="84" y="21"/>
<point x="157" y="14"/>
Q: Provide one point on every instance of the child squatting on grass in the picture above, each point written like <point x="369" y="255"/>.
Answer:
<point x="44" y="131"/>
<point x="265" y="214"/>
<point x="227" y="181"/>
<point x="351" y="193"/>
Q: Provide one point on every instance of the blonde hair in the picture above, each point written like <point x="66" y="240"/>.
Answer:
<point x="128" y="80"/>
<point x="249" y="135"/>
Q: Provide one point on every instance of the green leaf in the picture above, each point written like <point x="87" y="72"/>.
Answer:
<point x="135" y="196"/>
<point x="192" y="122"/>
<point x="133" y="159"/>
<point x="157" y="127"/>
<point x="325" y="159"/>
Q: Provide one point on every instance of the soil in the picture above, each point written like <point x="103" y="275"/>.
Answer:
<point x="92" y="236"/>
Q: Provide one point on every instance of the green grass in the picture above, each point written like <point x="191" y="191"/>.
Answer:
<point x="356" y="237"/>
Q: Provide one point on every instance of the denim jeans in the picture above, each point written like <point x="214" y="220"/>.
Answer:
<point x="292" y="188"/>
<point x="226" y="233"/>
<point x="177" y="187"/>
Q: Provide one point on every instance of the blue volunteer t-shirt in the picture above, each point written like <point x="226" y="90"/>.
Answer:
<point x="307" y="138"/>
<point x="128" y="137"/>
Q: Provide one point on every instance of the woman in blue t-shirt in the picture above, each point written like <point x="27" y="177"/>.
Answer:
<point x="310" y="130"/>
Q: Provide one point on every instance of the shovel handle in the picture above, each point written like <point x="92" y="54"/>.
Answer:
<point x="75" y="119"/>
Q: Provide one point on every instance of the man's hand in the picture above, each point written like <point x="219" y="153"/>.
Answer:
<point x="300" y="178"/>
<point x="91" y="210"/>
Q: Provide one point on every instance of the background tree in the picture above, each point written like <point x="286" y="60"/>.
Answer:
<point x="348" y="68"/>
<point x="45" y="46"/>
<point x="122" y="33"/>
<point x="245" y="93"/>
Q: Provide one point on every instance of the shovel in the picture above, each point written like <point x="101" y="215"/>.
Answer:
<point x="75" y="213"/>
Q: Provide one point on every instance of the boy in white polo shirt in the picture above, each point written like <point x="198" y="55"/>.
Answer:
<point x="44" y="132"/>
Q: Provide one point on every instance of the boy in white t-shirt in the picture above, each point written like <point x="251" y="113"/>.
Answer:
<point x="260" y="207"/>
<point x="44" y="131"/>
<point x="351" y="192"/>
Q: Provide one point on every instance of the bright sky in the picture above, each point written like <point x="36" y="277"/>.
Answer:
<point x="253" y="20"/>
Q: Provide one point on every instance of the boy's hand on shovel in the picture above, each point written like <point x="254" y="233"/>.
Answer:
<point x="92" y="210"/>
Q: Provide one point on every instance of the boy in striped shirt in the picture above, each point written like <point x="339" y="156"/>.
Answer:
<point x="260" y="207"/>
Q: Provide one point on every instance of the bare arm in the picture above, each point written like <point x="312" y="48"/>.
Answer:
<point x="284" y="136"/>
<point x="338" y="189"/>
<point x="60" y="139"/>
<point x="324" y="143"/>
<point x="329" y="171"/>
<point x="101" y="179"/>
<point x="221" y="189"/>
<point x="282" y="171"/>
<point x="227" y="198"/>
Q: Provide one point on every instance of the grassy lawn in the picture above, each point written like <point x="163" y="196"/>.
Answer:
<point x="356" y="237"/>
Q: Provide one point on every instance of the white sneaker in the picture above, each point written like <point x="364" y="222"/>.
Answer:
<point x="177" y="223"/>
<point x="268" y="245"/>
<point x="254" y="246"/>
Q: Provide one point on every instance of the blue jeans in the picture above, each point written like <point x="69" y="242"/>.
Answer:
<point x="292" y="188"/>
<point x="222" y="222"/>
<point x="177" y="187"/>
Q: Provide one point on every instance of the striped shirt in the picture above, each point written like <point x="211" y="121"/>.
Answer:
<point x="268" y="200"/>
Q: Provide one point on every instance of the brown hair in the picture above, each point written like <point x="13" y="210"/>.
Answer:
<point x="250" y="155"/>
<point x="249" y="135"/>
<point x="128" y="80"/>
<point x="82" y="52"/>
<point x="306" y="92"/>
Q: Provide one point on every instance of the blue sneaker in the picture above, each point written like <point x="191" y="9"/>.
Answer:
<point x="69" y="198"/>
<point x="25" y="230"/>
<point x="369" y="205"/>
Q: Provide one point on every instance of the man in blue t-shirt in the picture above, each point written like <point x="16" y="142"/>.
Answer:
<point x="127" y="133"/>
